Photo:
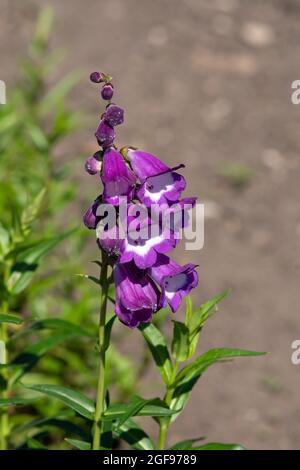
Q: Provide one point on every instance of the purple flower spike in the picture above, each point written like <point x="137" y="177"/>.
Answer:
<point x="94" y="163"/>
<point x="176" y="281"/>
<point x="160" y="184"/>
<point x="117" y="178"/>
<point x="107" y="91"/>
<point x="97" y="77"/>
<point x="105" y="134"/>
<point x="144" y="249"/>
<point x="114" y="115"/>
<point x="90" y="218"/>
<point x="137" y="296"/>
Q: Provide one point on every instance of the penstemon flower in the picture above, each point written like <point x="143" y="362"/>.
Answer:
<point x="145" y="278"/>
<point x="139" y="217"/>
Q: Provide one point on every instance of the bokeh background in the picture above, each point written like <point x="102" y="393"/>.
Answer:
<point x="206" y="83"/>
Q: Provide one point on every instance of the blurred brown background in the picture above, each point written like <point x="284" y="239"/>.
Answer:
<point x="207" y="83"/>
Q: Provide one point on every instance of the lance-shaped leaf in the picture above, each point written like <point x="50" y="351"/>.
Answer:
<point x="74" y="400"/>
<point x="137" y="407"/>
<point x="186" y="444"/>
<point x="53" y="324"/>
<point x="59" y="421"/>
<point x="159" y="350"/>
<point x="10" y="318"/>
<point x="108" y="328"/>
<point x="195" y="319"/>
<point x="30" y="356"/>
<point x="28" y="259"/>
<point x="218" y="446"/>
<point x="189" y="375"/>
<point x="134" y="435"/>
<point x="6" y="402"/>
<point x="180" y="343"/>
<point x="81" y="445"/>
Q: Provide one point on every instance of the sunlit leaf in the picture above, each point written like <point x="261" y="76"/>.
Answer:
<point x="81" y="445"/>
<point x="74" y="400"/>
<point x="135" y="436"/>
<point x="180" y="343"/>
<point x="159" y="350"/>
<point x="189" y="375"/>
<point x="218" y="446"/>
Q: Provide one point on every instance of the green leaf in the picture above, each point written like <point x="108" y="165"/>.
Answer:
<point x="9" y="318"/>
<point x="27" y="261"/>
<point x="135" y="436"/>
<point x="133" y="408"/>
<point x="30" y="356"/>
<point x="74" y="400"/>
<point x="196" y="368"/>
<point x="186" y="444"/>
<point x="152" y="407"/>
<point x="54" y="324"/>
<point x="196" y="319"/>
<point x="159" y="350"/>
<point x="31" y="211"/>
<point x="34" y="444"/>
<point x="81" y="445"/>
<point x="58" y="421"/>
<point x="180" y="343"/>
<point x="108" y="328"/>
<point x="189" y="375"/>
<point x="218" y="446"/>
<point x="5" y="402"/>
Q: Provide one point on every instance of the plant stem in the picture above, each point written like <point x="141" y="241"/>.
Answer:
<point x="165" y="422"/>
<point x="4" y="424"/>
<point x="101" y="375"/>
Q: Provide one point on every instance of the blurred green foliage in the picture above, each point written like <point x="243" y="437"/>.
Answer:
<point x="37" y="197"/>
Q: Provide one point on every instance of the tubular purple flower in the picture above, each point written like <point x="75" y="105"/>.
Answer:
<point x="90" y="218"/>
<point x="175" y="281"/>
<point x="160" y="184"/>
<point x="176" y="216"/>
<point x="105" y="134"/>
<point x="137" y="296"/>
<point x="107" y="91"/>
<point x="144" y="240"/>
<point x="94" y="163"/>
<point x="114" y="115"/>
<point x="117" y="178"/>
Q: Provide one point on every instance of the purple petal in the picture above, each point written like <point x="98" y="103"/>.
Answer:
<point x="137" y="296"/>
<point x="105" y="134"/>
<point x="145" y="165"/>
<point x="117" y="178"/>
<point x="175" y="280"/>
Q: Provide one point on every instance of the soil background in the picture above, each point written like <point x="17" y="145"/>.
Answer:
<point x="207" y="83"/>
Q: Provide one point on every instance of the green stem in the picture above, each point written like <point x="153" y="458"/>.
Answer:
<point x="101" y="375"/>
<point x="165" y="422"/>
<point x="4" y="423"/>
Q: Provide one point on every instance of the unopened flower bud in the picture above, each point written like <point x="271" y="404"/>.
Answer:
<point x="93" y="164"/>
<point x="105" y="133"/>
<point x="114" y="115"/>
<point x="97" y="77"/>
<point x="90" y="218"/>
<point x="107" y="91"/>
